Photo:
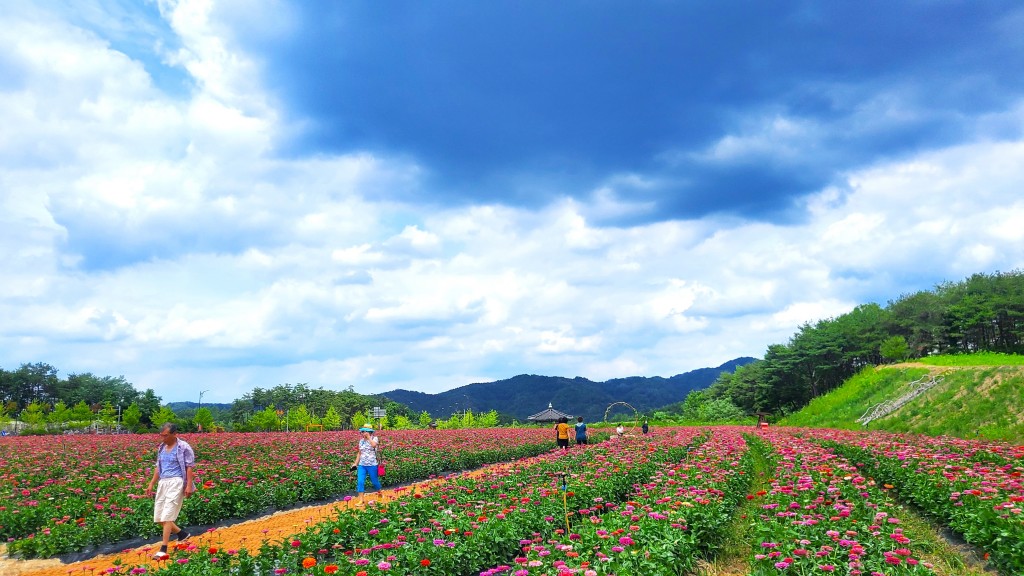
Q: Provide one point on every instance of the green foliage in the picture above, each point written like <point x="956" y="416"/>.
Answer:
<point x="81" y="413"/>
<point x="487" y="419"/>
<point x="894" y="348"/>
<point x="108" y="414"/>
<point x="163" y="416"/>
<point x="33" y="414"/>
<point x="297" y="418"/>
<point x="984" y="313"/>
<point x="60" y="414"/>
<point x="425" y="419"/>
<point x="721" y="410"/>
<point x="40" y="383"/>
<point x="358" y="419"/>
<point x="131" y="418"/>
<point x="331" y="420"/>
<point x="203" y="417"/>
<point x="401" y="423"/>
<point x="265" y="420"/>
<point x="841" y="407"/>
<point x="979" y="359"/>
<point x="346" y="404"/>
<point x="986" y="402"/>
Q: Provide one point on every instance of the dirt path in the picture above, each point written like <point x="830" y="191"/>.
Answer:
<point x="248" y="534"/>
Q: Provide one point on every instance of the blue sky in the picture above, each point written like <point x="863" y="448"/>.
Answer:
<point x="221" y="195"/>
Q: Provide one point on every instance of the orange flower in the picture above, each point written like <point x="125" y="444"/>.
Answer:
<point x="308" y="562"/>
<point x="330" y="569"/>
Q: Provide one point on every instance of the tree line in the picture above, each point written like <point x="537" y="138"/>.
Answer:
<point x="287" y="407"/>
<point x="42" y="402"/>
<point x="984" y="312"/>
<point x="35" y="393"/>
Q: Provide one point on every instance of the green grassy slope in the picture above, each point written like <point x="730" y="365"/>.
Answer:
<point x="976" y="398"/>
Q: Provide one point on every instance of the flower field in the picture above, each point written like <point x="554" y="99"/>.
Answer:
<point x="828" y="502"/>
<point x="976" y="488"/>
<point x="63" y="494"/>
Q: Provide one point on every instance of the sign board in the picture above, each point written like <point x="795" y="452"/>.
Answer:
<point x="379" y="412"/>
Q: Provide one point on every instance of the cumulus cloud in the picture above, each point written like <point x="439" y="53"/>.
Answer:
<point x="176" y="238"/>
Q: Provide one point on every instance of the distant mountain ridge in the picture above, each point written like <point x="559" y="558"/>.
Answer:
<point x="184" y="406"/>
<point x="524" y="395"/>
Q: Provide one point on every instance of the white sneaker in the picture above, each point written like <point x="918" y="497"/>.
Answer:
<point x="161" y="556"/>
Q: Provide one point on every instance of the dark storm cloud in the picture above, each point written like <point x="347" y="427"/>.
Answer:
<point x="518" y="102"/>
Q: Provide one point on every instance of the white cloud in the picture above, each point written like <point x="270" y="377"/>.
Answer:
<point x="254" y="270"/>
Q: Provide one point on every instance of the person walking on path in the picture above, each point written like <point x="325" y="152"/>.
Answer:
<point x="175" y="463"/>
<point x="581" y="431"/>
<point x="645" y="428"/>
<point x="366" y="460"/>
<point x="562" y="433"/>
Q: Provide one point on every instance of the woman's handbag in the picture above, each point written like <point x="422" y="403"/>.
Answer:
<point x="380" y="463"/>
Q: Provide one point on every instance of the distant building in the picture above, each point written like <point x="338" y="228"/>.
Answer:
<point x="549" y="415"/>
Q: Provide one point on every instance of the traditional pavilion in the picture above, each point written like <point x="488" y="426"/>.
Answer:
<point x="549" y="415"/>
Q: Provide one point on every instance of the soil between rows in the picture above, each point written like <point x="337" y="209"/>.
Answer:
<point x="244" y="534"/>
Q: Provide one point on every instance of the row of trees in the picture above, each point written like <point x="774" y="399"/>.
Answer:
<point x="982" y="313"/>
<point x="284" y="407"/>
<point x="298" y="418"/>
<point x="40" y="383"/>
<point x="39" y="418"/>
<point x="35" y="393"/>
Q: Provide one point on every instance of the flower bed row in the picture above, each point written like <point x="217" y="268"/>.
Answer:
<point x="63" y="494"/>
<point x="668" y="522"/>
<point x="977" y="489"/>
<point x="464" y="525"/>
<point x="822" y="515"/>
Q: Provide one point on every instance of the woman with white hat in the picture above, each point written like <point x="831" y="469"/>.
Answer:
<point x="366" y="460"/>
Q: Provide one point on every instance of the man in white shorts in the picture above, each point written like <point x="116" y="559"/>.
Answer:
<point x="174" y="469"/>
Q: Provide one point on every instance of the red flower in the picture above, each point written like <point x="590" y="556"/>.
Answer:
<point x="425" y="562"/>
<point x="330" y="569"/>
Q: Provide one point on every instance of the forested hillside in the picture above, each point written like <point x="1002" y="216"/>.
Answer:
<point x="982" y="313"/>
<point x="977" y="395"/>
<point x="527" y="394"/>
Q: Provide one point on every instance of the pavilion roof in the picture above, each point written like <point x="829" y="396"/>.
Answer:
<point x="549" y="415"/>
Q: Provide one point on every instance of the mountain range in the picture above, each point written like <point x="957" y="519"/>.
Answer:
<point x="527" y="394"/>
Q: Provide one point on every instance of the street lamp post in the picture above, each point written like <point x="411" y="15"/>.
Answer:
<point x="201" y="392"/>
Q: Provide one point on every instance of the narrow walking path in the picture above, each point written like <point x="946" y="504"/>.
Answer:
<point x="733" y="558"/>
<point x="248" y="534"/>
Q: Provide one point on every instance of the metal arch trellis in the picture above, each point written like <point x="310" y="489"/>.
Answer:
<point x="636" y="414"/>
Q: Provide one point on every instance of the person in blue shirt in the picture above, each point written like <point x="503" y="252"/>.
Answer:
<point x="175" y="463"/>
<point x="581" y="431"/>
